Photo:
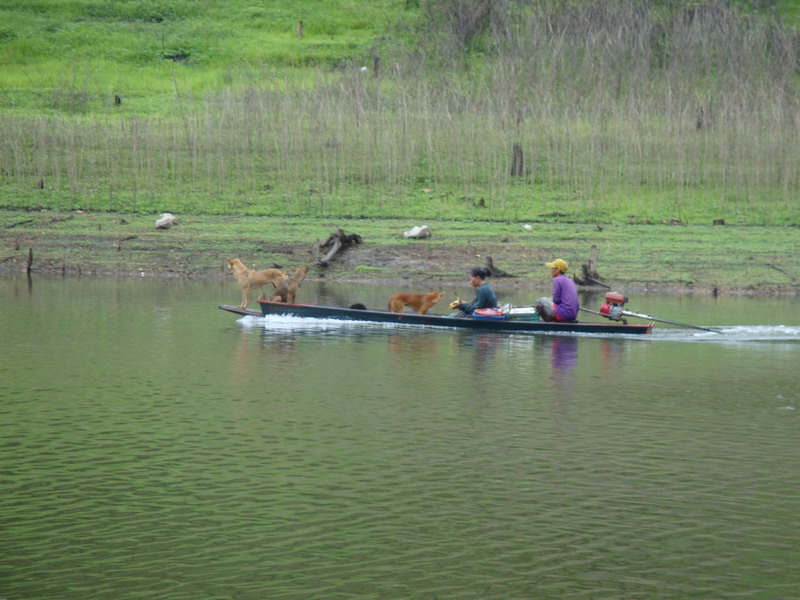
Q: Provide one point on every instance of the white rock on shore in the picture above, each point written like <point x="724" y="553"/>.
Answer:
<point x="166" y="221"/>
<point x="418" y="232"/>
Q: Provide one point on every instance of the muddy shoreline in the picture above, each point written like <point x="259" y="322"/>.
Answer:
<point x="402" y="280"/>
<point x="680" y="261"/>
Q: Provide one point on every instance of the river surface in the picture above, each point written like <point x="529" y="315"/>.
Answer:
<point x="154" y="446"/>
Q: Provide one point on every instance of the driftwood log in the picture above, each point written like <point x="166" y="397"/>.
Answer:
<point x="336" y="241"/>
<point x="494" y="271"/>
<point x="125" y="239"/>
<point x="779" y="270"/>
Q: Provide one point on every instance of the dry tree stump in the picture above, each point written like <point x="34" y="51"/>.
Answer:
<point x="589" y="272"/>
<point x="494" y="271"/>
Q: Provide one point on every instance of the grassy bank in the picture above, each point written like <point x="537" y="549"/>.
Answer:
<point x="596" y="112"/>
<point x="76" y="55"/>
<point x="730" y="259"/>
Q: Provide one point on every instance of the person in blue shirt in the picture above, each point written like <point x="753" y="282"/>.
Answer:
<point x="564" y="305"/>
<point x="484" y="294"/>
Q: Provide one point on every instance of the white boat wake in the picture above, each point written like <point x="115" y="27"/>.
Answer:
<point x="733" y="334"/>
<point x="286" y="323"/>
<point x="727" y="334"/>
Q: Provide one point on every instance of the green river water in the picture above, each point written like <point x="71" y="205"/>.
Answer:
<point x="154" y="446"/>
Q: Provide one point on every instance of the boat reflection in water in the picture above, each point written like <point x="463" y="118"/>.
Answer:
<point x="564" y="352"/>
<point x="563" y="358"/>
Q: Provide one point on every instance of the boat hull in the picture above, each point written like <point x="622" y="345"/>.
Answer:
<point x="406" y="318"/>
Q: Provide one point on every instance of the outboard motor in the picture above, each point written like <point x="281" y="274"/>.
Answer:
<point x="613" y="306"/>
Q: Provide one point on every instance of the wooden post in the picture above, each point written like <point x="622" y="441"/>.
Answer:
<point x="517" y="162"/>
<point x="376" y="66"/>
<point x="704" y="117"/>
<point x="299" y="29"/>
<point x="30" y="261"/>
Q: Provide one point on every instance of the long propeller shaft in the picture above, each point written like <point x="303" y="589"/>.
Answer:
<point x="628" y="313"/>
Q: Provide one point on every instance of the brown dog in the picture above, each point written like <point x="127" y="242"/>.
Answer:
<point x="419" y="302"/>
<point x="248" y="278"/>
<point x="286" y="291"/>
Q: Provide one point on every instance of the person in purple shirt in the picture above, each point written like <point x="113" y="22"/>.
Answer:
<point x="563" y="306"/>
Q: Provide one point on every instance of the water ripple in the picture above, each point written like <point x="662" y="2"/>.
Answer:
<point x="177" y="459"/>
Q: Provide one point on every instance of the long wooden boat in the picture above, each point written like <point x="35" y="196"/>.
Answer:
<point x="408" y="318"/>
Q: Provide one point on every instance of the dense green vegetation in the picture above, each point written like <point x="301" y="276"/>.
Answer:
<point x="620" y="111"/>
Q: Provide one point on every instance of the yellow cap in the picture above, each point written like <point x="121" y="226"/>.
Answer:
<point x="559" y="264"/>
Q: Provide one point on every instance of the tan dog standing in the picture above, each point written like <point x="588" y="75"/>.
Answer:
<point x="248" y="278"/>
<point x="286" y="291"/>
<point x="419" y="302"/>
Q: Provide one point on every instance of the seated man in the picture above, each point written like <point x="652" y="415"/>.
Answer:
<point x="563" y="306"/>
<point x="484" y="294"/>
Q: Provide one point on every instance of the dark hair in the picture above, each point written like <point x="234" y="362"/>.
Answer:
<point x="478" y="272"/>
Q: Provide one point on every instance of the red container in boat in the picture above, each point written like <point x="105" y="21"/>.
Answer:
<point x="488" y="314"/>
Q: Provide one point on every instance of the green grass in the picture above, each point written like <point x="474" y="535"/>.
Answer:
<point x="224" y="109"/>
<point x="140" y="48"/>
